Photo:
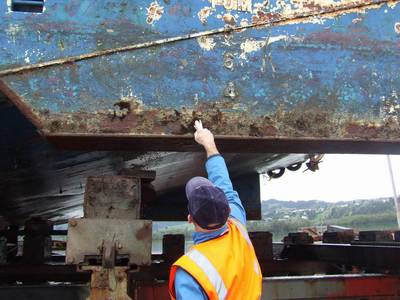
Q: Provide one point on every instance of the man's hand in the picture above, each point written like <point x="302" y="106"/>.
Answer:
<point x="204" y="137"/>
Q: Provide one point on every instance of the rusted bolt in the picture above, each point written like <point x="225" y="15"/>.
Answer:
<point x="230" y="90"/>
<point x="397" y="28"/>
<point x="229" y="19"/>
<point x="229" y="61"/>
<point x="72" y="223"/>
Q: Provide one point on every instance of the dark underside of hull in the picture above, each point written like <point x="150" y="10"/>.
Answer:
<point x="38" y="179"/>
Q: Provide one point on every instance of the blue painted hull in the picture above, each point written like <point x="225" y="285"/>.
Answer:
<point x="289" y="70"/>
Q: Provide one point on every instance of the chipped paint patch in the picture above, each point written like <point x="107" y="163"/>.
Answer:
<point x="244" y="22"/>
<point x="326" y="16"/>
<point x="260" y="6"/>
<point x="390" y="106"/>
<point x="397" y="28"/>
<point x="281" y="6"/>
<point x="204" y="13"/>
<point x="356" y="20"/>
<point x="154" y="12"/>
<point x="315" y="20"/>
<point x="13" y="30"/>
<point x="307" y="5"/>
<point x="392" y="4"/>
<point x="251" y="45"/>
<point x="9" y="4"/>
<point x="206" y="43"/>
<point x="291" y="10"/>
<point x="27" y="59"/>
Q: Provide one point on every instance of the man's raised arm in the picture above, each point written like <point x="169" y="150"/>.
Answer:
<point x="217" y="171"/>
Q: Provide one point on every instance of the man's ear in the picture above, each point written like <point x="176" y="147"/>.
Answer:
<point x="189" y="218"/>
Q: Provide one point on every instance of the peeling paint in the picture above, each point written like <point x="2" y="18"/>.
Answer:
<point x="206" y="43"/>
<point x="316" y="14"/>
<point x="244" y="22"/>
<point x="392" y="4"/>
<point x="154" y="12"/>
<point x="251" y="45"/>
<point x="261" y="6"/>
<point x="281" y="5"/>
<point x="9" y="4"/>
<point x="204" y="13"/>
<point x="13" y="30"/>
<point x="390" y="107"/>
<point x="27" y="60"/>
<point x="292" y="9"/>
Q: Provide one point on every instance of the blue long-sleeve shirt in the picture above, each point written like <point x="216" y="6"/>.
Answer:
<point x="186" y="287"/>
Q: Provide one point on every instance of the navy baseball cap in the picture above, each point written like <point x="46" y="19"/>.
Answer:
<point x="208" y="204"/>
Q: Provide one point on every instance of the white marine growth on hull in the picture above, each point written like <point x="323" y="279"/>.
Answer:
<point x="251" y="45"/>
<point x="154" y="12"/>
<point x="206" y="43"/>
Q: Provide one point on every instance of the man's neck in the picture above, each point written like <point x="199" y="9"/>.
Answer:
<point x="197" y="228"/>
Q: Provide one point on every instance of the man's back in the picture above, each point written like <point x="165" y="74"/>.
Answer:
<point x="225" y="267"/>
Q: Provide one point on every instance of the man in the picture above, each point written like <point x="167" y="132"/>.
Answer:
<point x="222" y="263"/>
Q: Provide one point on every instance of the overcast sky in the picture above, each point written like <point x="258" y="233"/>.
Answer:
<point x="340" y="177"/>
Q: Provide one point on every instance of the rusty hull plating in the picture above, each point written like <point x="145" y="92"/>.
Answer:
<point x="311" y="73"/>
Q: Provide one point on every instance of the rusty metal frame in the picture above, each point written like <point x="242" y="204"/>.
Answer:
<point x="372" y="257"/>
<point x="185" y="143"/>
<point x="372" y="286"/>
<point x="227" y="144"/>
<point x="132" y="238"/>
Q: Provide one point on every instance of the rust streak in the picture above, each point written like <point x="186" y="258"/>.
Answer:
<point x="265" y="21"/>
<point x="303" y="120"/>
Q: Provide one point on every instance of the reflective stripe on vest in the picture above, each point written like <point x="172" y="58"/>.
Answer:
<point x="210" y="271"/>
<point x="225" y="267"/>
<point x="244" y="233"/>
<point x="242" y="230"/>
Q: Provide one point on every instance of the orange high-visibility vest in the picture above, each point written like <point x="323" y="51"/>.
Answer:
<point x="225" y="267"/>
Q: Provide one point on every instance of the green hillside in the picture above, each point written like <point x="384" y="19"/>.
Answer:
<point x="281" y="217"/>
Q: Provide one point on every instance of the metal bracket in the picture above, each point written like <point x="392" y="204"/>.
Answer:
<point x="84" y="236"/>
